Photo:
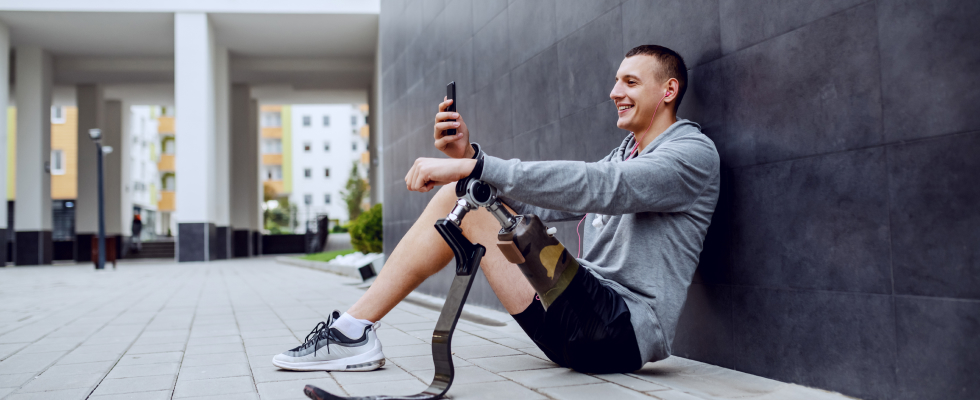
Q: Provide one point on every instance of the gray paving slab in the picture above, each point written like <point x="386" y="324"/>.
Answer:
<point x="214" y="387"/>
<point x="156" y="395"/>
<point x="54" y="394"/>
<point x="294" y="390"/>
<point x="550" y="377"/>
<point x="494" y="390"/>
<point x="593" y="391"/>
<point x="48" y="381"/>
<point x="135" y="384"/>
<point x="138" y="370"/>
<point x="214" y="371"/>
<point x="209" y="330"/>
<point x="15" y="380"/>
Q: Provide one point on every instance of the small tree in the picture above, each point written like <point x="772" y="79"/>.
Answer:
<point x="356" y="187"/>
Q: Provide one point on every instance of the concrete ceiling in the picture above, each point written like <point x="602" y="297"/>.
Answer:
<point x="298" y="35"/>
<point x="307" y="50"/>
<point x="93" y="33"/>
<point x="128" y="34"/>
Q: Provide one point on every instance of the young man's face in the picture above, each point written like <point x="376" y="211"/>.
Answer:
<point x="637" y="92"/>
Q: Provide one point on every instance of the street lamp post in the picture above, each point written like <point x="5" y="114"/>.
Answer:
<point x="96" y="135"/>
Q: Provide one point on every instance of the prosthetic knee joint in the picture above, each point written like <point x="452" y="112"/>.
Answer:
<point x="523" y="239"/>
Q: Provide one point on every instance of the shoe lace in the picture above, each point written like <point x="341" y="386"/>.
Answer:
<point x="313" y="338"/>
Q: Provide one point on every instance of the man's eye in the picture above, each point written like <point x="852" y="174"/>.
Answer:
<point x="632" y="82"/>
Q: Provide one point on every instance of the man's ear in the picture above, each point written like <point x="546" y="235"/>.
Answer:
<point x="673" y="90"/>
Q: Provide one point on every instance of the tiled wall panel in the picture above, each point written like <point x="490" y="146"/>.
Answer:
<point x="843" y="252"/>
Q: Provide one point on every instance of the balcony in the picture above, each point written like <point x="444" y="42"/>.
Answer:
<point x="272" y="159"/>
<point x="168" y="201"/>
<point x="166" y="163"/>
<point x="276" y="187"/>
<point x="272" y="133"/>
<point x="165" y="125"/>
<point x="365" y="131"/>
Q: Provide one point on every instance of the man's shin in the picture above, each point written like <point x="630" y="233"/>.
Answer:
<point x="543" y="260"/>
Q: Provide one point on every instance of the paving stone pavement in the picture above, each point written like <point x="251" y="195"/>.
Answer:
<point x="162" y="330"/>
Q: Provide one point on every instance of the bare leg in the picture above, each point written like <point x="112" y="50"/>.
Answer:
<point x="423" y="252"/>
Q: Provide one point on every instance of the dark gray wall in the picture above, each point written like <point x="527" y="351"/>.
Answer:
<point x="845" y="251"/>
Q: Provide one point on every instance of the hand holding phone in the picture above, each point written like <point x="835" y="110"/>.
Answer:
<point x="451" y="95"/>
<point x="449" y="131"/>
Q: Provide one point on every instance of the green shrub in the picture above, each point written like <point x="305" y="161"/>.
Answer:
<point x="339" y="229"/>
<point x="366" y="231"/>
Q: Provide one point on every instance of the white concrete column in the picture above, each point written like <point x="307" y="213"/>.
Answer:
<point x="4" y="100"/>
<point x="244" y="171"/>
<point x="222" y="87"/>
<point x="195" y="132"/>
<point x="32" y="210"/>
<point x="91" y="114"/>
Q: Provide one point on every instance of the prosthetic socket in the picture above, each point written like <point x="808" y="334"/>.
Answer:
<point x="523" y="239"/>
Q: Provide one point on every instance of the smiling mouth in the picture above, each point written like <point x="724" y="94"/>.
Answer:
<point x="624" y="108"/>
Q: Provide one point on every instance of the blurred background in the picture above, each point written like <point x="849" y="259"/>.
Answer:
<point x="844" y="253"/>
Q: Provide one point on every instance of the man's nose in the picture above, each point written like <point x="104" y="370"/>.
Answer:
<point x="617" y="92"/>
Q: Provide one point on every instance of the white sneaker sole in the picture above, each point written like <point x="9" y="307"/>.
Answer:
<point x="369" y="361"/>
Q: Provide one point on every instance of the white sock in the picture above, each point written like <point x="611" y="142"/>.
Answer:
<point x="350" y="326"/>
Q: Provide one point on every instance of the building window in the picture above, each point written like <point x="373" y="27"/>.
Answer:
<point x="326" y="198"/>
<point x="271" y="146"/>
<point x="57" y="162"/>
<point x="353" y="120"/>
<point x="326" y="146"/>
<point x="308" y="173"/>
<point x="57" y="115"/>
<point x="307" y="146"/>
<point x="326" y="172"/>
<point x="365" y="120"/>
<point x="307" y="199"/>
<point x="326" y="120"/>
<point x="271" y="119"/>
<point x="169" y="183"/>
<point x="353" y="146"/>
<point x="306" y="120"/>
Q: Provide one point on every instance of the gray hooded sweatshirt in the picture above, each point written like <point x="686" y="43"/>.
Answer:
<point x="656" y="208"/>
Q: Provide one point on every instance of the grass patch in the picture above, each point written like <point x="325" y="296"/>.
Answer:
<point x="327" y="256"/>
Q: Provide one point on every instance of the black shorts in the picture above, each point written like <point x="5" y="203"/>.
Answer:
<point x="587" y="328"/>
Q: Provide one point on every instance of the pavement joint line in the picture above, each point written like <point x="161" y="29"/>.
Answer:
<point x="80" y="315"/>
<point x="190" y="333"/>
<point x="148" y="322"/>
<point x="248" y="362"/>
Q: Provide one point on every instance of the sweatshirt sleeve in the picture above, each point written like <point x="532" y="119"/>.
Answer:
<point x="545" y="214"/>
<point x="667" y="179"/>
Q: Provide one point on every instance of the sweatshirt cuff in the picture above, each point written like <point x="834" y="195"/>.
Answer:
<point x="478" y="156"/>
<point x="478" y="151"/>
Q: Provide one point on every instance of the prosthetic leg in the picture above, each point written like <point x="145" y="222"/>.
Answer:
<point x="523" y="239"/>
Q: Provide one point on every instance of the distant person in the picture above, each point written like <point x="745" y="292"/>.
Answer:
<point x="649" y="203"/>
<point x="137" y="227"/>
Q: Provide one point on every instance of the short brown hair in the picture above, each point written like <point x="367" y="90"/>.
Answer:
<point x="671" y="66"/>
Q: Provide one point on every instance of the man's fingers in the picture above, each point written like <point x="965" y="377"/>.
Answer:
<point x="442" y="116"/>
<point x="441" y="126"/>
<point x="445" y="103"/>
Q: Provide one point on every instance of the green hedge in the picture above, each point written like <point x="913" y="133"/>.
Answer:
<point x="366" y="231"/>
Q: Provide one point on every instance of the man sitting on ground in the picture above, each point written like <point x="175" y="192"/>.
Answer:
<point x="649" y="203"/>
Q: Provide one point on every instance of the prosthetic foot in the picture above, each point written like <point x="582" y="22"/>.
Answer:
<point x="523" y="239"/>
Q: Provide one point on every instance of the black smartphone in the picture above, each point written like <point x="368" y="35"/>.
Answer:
<point x="451" y="95"/>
